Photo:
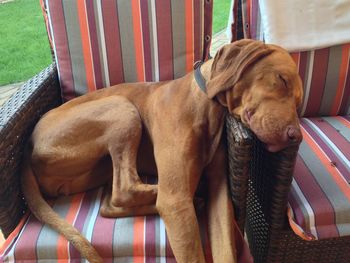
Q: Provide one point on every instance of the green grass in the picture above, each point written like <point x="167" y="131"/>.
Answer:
<point x="220" y="15"/>
<point x="24" y="46"/>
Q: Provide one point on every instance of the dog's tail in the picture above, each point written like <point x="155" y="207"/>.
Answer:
<point x="44" y="213"/>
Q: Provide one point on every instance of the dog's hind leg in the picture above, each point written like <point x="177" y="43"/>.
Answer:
<point x="109" y="210"/>
<point x="127" y="189"/>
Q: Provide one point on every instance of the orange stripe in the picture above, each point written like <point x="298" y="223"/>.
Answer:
<point x="326" y="163"/>
<point x="342" y="77"/>
<point x="296" y="57"/>
<point x="14" y="233"/>
<point x="138" y="246"/>
<point x="85" y="39"/>
<point x="296" y="228"/>
<point x="136" y="16"/>
<point x="189" y="35"/>
<point x="62" y="243"/>
<point x="343" y="121"/>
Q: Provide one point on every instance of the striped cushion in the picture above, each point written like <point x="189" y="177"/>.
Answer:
<point x="133" y="239"/>
<point x="325" y="72"/>
<point x="320" y="196"/>
<point x="103" y="43"/>
<point x="326" y="77"/>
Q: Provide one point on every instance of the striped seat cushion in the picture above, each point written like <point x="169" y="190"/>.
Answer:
<point x="325" y="72"/>
<point x="319" y="202"/>
<point x="132" y="239"/>
<point x="103" y="43"/>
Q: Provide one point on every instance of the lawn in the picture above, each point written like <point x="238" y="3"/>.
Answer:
<point x="220" y="15"/>
<point x="24" y="47"/>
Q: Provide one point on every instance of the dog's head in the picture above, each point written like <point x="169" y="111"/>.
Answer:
<point x="260" y="84"/>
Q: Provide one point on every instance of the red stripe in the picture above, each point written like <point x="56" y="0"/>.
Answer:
<point x="296" y="57"/>
<point x="26" y="244"/>
<point x="150" y="239"/>
<point x="146" y="40"/>
<point x="102" y="237"/>
<point x="302" y="66"/>
<point x="165" y="42"/>
<point x="189" y="35"/>
<point x="341" y="80"/>
<point x="208" y="19"/>
<point x="247" y="30"/>
<point x="112" y="38"/>
<point x="138" y="42"/>
<point x="94" y="44"/>
<point x="345" y="106"/>
<point x="197" y="30"/>
<point x="346" y="97"/>
<point x="319" y="75"/>
<point x="62" y="49"/>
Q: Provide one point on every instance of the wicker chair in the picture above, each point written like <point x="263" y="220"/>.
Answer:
<point x="21" y="112"/>
<point x="270" y="236"/>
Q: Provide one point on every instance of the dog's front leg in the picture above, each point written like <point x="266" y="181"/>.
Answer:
<point x="220" y="210"/>
<point x="178" y="173"/>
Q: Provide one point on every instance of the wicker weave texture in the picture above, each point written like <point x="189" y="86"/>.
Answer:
<point x="270" y="237"/>
<point x="17" y="119"/>
<point x="284" y="246"/>
<point x="239" y="141"/>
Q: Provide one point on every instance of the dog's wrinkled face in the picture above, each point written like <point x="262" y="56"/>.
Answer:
<point x="265" y="93"/>
<point x="269" y="104"/>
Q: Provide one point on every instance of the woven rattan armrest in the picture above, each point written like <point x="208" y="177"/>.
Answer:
<point x="17" y="119"/>
<point x="239" y="142"/>
<point x="269" y="184"/>
<point x="270" y="178"/>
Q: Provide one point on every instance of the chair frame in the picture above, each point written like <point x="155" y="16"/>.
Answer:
<point x="270" y="176"/>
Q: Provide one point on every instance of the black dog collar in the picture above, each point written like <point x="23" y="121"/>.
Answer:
<point x="201" y="82"/>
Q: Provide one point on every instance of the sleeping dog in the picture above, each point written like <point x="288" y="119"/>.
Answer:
<point x="172" y="129"/>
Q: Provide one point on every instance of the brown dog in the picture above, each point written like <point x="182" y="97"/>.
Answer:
<point x="172" y="129"/>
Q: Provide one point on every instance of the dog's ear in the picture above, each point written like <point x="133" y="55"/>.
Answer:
<point x="231" y="61"/>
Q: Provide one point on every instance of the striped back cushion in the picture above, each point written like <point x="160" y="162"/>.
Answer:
<point x="326" y="77"/>
<point x="320" y="194"/>
<point x="325" y="72"/>
<point x="103" y="43"/>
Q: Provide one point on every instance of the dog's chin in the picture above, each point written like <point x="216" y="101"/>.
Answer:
<point x="246" y="119"/>
<point x="274" y="147"/>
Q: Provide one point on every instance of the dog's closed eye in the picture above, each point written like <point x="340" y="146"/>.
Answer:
<point x="283" y="80"/>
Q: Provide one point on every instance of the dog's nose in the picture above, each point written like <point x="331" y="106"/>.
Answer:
<point x="294" y="134"/>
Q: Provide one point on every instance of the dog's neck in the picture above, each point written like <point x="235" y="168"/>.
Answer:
<point x="206" y="69"/>
<point x="222" y="98"/>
